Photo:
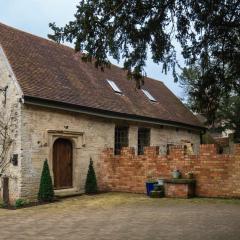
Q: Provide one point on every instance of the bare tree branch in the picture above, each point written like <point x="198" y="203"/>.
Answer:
<point x="7" y="125"/>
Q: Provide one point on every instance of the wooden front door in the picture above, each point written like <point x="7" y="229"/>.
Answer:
<point x="62" y="163"/>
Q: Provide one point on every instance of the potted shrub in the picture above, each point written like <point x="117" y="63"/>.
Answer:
<point x="150" y="183"/>
<point x="190" y="175"/>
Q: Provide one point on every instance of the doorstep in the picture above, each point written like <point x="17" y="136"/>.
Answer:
<point x="69" y="192"/>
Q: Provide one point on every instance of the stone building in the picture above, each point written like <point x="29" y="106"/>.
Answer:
<point x="65" y="110"/>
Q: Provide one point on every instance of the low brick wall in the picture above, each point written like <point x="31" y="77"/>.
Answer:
<point x="180" y="188"/>
<point x="176" y="190"/>
<point x="216" y="175"/>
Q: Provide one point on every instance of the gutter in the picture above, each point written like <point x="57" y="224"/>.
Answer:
<point x="35" y="101"/>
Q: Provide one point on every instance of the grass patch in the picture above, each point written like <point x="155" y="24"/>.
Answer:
<point x="108" y="200"/>
<point x="111" y="200"/>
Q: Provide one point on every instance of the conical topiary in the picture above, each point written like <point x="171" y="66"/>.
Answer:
<point x="91" y="181"/>
<point x="46" y="192"/>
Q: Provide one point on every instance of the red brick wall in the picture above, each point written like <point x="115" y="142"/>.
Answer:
<point x="216" y="175"/>
<point x="176" y="190"/>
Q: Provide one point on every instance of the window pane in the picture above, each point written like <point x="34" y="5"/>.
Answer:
<point x="114" y="86"/>
<point x="149" y="96"/>
<point x="143" y="139"/>
<point x="121" y="138"/>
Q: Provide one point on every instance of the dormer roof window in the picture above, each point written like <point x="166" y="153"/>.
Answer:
<point x="114" y="86"/>
<point x="148" y="95"/>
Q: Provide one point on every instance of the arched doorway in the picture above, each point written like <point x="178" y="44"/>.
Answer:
<point x="62" y="163"/>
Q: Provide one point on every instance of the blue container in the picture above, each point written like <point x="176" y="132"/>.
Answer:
<point x="150" y="187"/>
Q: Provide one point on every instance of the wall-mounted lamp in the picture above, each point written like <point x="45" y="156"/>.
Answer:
<point x="4" y="91"/>
<point x="14" y="159"/>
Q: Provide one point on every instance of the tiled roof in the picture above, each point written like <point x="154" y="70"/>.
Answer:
<point x="51" y="71"/>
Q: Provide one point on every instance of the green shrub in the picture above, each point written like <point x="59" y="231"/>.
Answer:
<point x="91" y="181"/>
<point x="21" y="203"/>
<point x="46" y="192"/>
<point x="2" y="204"/>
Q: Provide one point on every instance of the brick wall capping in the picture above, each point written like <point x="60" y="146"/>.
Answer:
<point x="177" y="146"/>
<point x="154" y="150"/>
<point x="180" y="181"/>
<point x="217" y="175"/>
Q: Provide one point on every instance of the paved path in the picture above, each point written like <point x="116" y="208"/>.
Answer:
<point x="124" y="216"/>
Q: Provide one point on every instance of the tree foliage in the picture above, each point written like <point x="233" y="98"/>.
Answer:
<point x="46" y="192"/>
<point x="202" y="96"/>
<point x="208" y="32"/>
<point x="91" y="181"/>
<point x="221" y="109"/>
<point x="230" y="114"/>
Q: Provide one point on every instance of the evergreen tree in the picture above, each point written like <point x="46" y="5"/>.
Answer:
<point x="46" y="192"/>
<point x="221" y="108"/>
<point x="91" y="181"/>
<point x="133" y="30"/>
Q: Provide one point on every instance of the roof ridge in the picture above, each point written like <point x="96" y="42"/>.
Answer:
<point x="36" y="36"/>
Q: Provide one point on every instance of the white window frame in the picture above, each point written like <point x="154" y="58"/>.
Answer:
<point x="149" y="95"/>
<point x="114" y="86"/>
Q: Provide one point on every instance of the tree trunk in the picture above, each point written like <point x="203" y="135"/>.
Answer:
<point x="6" y="190"/>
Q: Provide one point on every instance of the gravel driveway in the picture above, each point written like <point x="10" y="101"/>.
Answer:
<point x="124" y="216"/>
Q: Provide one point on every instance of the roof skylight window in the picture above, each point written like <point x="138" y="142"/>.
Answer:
<point x="149" y="96"/>
<point x="114" y="86"/>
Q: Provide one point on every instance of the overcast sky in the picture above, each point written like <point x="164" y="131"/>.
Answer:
<point x="34" y="16"/>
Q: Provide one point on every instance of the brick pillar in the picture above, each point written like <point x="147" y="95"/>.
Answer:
<point x="237" y="149"/>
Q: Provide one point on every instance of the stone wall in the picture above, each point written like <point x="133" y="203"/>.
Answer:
<point x="10" y="115"/>
<point x="90" y="136"/>
<point x="42" y="126"/>
<point x="216" y="175"/>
